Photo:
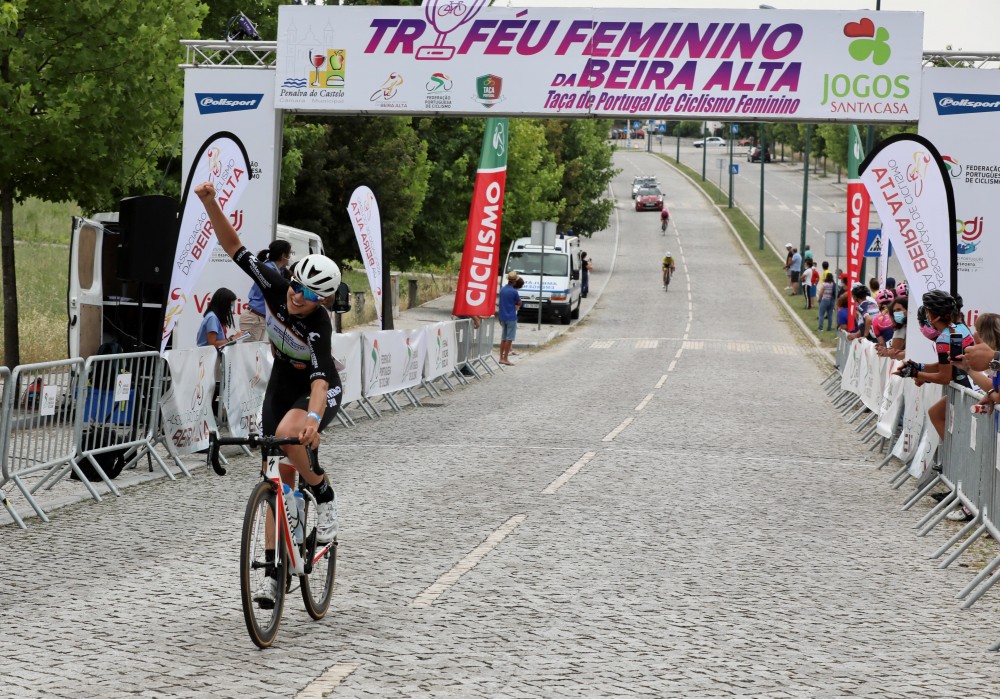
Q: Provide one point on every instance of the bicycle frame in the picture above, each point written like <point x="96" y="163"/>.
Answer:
<point x="297" y="563"/>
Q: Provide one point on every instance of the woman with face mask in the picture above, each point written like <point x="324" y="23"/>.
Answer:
<point x="897" y="346"/>
<point x="940" y="321"/>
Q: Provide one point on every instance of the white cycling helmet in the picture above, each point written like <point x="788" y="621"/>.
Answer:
<point x="668" y="254"/>
<point x="319" y="274"/>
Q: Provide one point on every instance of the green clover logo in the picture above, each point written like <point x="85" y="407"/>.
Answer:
<point x="869" y="41"/>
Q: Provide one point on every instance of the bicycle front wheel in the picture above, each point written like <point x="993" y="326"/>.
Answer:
<point x="261" y="613"/>
<point x="317" y="585"/>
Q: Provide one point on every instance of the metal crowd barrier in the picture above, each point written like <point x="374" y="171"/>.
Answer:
<point x="39" y="410"/>
<point x="967" y="460"/>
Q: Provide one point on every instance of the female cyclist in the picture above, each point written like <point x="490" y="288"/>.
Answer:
<point x="304" y="391"/>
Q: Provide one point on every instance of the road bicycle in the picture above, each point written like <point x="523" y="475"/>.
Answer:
<point x="663" y="225"/>
<point x="666" y="279"/>
<point x="268" y="520"/>
<point x="455" y="8"/>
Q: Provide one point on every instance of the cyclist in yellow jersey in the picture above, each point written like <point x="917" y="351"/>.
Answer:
<point x="668" y="269"/>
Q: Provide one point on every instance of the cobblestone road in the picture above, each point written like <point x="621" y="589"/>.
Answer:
<point x="675" y="511"/>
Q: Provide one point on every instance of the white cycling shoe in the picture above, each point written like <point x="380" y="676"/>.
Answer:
<point x="266" y="593"/>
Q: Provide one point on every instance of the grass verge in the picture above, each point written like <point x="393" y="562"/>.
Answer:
<point x="772" y="264"/>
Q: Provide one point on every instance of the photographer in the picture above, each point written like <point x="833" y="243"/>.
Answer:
<point x="940" y="322"/>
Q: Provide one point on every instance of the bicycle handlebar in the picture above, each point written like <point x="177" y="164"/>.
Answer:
<point x="265" y="442"/>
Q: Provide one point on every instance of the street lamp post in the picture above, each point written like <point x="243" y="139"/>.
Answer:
<point x="678" y="156"/>
<point x="704" y="149"/>
<point x="805" y="188"/>
<point x="732" y="134"/>
<point x="763" y="151"/>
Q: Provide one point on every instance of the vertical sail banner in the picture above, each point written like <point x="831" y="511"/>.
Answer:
<point x="858" y="206"/>
<point x="476" y="294"/>
<point x="911" y="189"/>
<point x="223" y="161"/>
<point x="367" y="222"/>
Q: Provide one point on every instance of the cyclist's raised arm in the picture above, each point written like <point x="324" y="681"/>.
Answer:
<point x="229" y="239"/>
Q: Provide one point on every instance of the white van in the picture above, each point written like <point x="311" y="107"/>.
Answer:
<point x="554" y="268"/>
<point x="103" y="300"/>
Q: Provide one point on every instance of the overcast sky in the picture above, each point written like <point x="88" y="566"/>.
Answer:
<point x="970" y="25"/>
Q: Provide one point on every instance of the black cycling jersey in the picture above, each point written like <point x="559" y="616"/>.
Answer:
<point x="303" y="342"/>
<point x="301" y="347"/>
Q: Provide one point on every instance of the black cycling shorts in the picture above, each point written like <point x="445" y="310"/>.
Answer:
<point x="290" y="388"/>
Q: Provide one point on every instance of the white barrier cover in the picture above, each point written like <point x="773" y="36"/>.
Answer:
<point x="924" y="457"/>
<point x="393" y="360"/>
<point x="872" y="378"/>
<point x="248" y="368"/>
<point x="187" y="407"/>
<point x="850" y="380"/>
<point x="442" y="349"/>
<point x="465" y="58"/>
<point x="347" y="349"/>
<point x="892" y="403"/>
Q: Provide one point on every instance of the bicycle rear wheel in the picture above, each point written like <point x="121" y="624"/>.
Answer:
<point x="262" y="619"/>
<point x="317" y="585"/>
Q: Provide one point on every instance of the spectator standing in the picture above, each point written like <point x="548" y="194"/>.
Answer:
<point x="842" y="312"/>
<point x="796" y="271"/>
<point x="277" y="256"/>
<point x="585" y="268"/>
<point x="218" y="317"/>
<point x="826" y="300"/>
<point x="809" y="282"/>
<point x="865" y="311"/>
<point x="897" y="346"/>
<point x="883" y="325"/>
<point x="807" y="253"/>
<point x="788" y="265"/>
<point x="510" y="303"/>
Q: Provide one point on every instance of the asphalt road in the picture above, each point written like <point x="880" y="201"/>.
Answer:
<point x="660" y="503"/>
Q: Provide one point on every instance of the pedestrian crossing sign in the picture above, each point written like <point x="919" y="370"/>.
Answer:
<point x="874" y="242"/>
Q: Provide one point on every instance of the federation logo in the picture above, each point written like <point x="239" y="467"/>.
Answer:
<point x="488" y="90"/>
<point x="438" y="82"/>
<point x="953" y="166"/>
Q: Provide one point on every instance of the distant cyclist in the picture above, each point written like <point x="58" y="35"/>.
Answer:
<point x="664" y="219"/>
<point x="668" y="269"/>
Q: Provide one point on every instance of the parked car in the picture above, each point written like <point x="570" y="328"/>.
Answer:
<point x="710" y="141"/>
<point x="641" y="181"/>
<point x="649" y="199"/>
<point x="753" y="155"/>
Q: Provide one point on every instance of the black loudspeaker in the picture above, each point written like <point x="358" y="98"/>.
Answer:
<point x="149" y="228"/>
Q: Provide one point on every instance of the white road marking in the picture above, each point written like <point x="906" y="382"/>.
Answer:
<point x="672" y="365"/>
<point x="610" y="436"/>
<point x="678" y="355"/>
<point x="569" y="473"/>
<point x="659" y="384"/>
<point x="446" y="581"/>
<point x="643" y="402"/>
<point x="323" y="685"/>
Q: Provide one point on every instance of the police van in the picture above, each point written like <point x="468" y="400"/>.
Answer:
<point x="550" y="266"/>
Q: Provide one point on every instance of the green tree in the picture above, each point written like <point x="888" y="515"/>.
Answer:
<point x="88" y="91"/>
<point x="582" y="148"/>
<point x="453" y="147"/>
<point x="385" y="154"/>
<point x="534" y="180"/>
<point x="834" y="137"/>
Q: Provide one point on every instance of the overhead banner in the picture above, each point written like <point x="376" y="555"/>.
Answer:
<point x="240" y="102"/>
<point x="476" y="294"/>
<point x="363" y="210"/>
<point x="222" y="160"/>
<point x="911" y="189"/>
<point x="393" y="360"/>
<point x="462" y="58"/>
<point x="858" y="207"/>
<point x="959" y="115"/>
